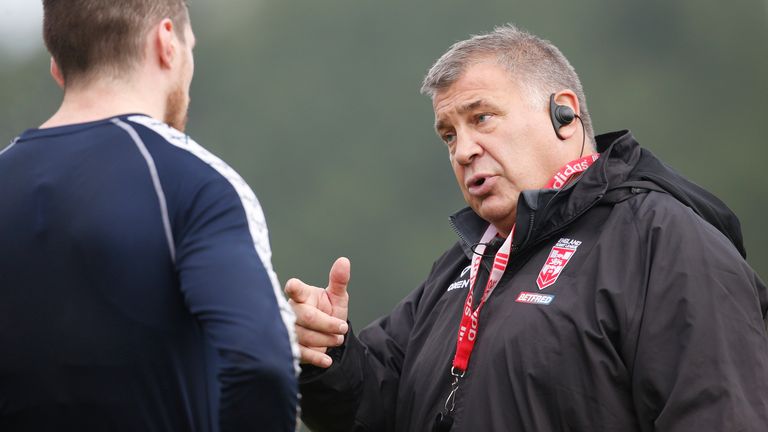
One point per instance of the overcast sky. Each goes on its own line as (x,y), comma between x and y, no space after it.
(21,26)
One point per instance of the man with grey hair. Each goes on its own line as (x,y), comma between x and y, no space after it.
(592,288)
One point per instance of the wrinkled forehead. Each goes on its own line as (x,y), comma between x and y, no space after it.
(454,71)
(486,80)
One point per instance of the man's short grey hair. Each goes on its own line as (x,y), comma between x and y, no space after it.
(535,64)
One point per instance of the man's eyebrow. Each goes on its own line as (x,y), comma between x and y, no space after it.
(439,124)
(471,106)
(475,105)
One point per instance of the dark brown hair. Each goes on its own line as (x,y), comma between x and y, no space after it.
(90,37)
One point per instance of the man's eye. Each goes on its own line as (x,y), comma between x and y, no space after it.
(448,138)
(483,117)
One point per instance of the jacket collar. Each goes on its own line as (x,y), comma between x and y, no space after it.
(545,211)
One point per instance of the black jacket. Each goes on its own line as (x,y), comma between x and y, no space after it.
(655,323)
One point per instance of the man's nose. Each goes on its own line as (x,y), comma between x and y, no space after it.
(467,148)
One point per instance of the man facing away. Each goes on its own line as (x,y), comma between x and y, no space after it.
(136,285)
(591,288)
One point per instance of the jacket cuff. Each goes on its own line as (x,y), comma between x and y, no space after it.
(345,373)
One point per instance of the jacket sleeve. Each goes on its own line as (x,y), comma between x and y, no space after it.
(359,391)
(701,361)
(232,293)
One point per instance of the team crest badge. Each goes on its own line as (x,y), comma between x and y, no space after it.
(558,258)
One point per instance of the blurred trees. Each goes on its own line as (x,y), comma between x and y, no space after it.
(316,104)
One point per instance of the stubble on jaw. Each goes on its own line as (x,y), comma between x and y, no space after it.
(176,109)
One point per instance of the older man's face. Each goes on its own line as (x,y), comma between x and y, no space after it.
(499,143)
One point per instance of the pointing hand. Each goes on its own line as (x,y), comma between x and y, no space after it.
(321,313)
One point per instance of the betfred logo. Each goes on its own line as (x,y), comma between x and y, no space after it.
(558,258)
(535,298)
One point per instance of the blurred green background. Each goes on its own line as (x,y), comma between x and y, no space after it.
(316,104)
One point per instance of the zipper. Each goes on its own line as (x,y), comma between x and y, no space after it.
(528,233)
(459,234)
(515,250)
(565,224)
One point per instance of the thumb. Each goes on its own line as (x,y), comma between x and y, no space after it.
(338,278)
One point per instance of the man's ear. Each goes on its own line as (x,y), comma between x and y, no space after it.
(56,74)
(568,98)
(166,43)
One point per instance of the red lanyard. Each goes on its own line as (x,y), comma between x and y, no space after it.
(468,329)
(570,169)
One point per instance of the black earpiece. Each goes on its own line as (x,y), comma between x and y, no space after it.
(561,115)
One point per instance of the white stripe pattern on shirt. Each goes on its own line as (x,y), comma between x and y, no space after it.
(9,146)
(155,182)
(256,222)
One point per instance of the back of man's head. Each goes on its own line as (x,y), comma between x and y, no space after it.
(535,64)
(104,38)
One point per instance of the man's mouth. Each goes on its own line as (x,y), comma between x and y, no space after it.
(480,185)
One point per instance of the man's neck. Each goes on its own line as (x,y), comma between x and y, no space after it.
(503,230)
(104,99)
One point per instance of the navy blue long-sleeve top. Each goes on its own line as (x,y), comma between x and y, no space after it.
(136,287)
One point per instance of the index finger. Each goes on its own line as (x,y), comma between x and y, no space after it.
(313,318)
(297,290)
